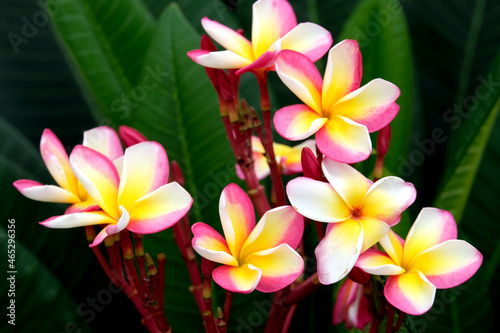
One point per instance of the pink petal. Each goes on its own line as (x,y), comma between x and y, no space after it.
(271,20)
(84,206)
(343,73)
(344,140)
(378,263)
(130,136)
(317,200)
(373,105)
(77,220)
(46,193)
(218,59)
(266,60)
(228,38)
(448,264)
(301,76)
(211,245)
(292,163)
(98,176)
(112,229)
(337,253)
(145,168)
(432,226)
(280,266)
(345,297)
(348,182)
(159,209)
(351,306)
(105,140)
(243,279)
(278,226)
(237,217)
(310,39)
(387,199)
(411,292)
(56,159)
(297,122)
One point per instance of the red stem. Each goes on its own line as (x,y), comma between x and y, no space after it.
(319,230)
(306,288)
(390,318)
(227,305)
(207,300)
(278,313)
(265,105)
(289,318)
(401,318)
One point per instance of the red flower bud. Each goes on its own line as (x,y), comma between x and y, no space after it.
(383,140)
(310,165)
(130,136)
(359,276)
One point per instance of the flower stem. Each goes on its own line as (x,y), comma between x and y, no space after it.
(310,285)
(265,105)
(401,318)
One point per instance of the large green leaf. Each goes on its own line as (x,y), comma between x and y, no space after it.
(40,253)
(380,28)
(29,287)
(469,143)
(105,43)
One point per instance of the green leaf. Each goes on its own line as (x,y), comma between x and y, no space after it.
(381,30)
(470,142)
(41,259)
(33,287)
(105,43)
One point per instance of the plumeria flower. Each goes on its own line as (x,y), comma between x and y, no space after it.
(274,28)
(134,196)
(430,258)
(103,139)
(253,256)
(358,212)
(336,108)
(351,306)
(288,158)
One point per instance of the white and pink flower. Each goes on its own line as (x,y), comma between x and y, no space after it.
(253,256)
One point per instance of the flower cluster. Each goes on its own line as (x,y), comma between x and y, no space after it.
(359,213)
(130,189)
(108,186)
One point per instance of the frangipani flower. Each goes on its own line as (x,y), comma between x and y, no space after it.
(287,157)
(359,213)
(103,139)
(430,258)
(351,306)
(274,27)
(336,109)
(134,196)
(258,256)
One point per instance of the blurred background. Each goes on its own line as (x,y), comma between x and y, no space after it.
(442,54)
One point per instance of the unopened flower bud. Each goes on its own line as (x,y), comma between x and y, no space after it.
(130,136)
